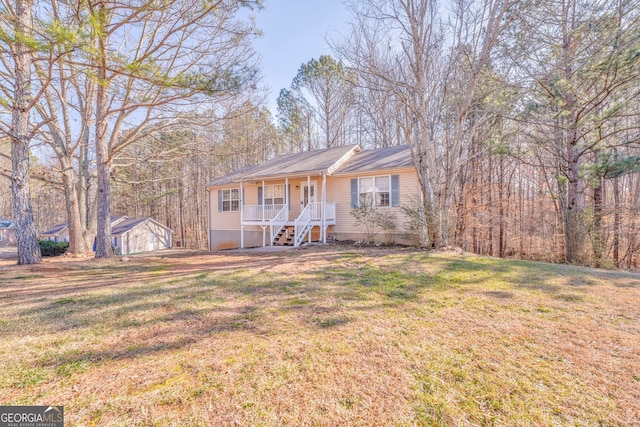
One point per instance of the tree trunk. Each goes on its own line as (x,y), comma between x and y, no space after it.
(103,234)
(490,205)
(26,232)
(86,201)
(598,234)
(428,204)
(574,221)
(501,221)
(76,240)
(616,222)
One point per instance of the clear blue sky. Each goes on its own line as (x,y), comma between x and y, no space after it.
(294,31)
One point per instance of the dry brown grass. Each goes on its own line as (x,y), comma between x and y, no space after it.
(322,336)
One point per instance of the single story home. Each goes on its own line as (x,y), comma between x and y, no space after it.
(7,232)
(130,235)
(313,195)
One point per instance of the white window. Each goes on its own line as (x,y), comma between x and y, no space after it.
(274,194)
(374,191)
(230,200)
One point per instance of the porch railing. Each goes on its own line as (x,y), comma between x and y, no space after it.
(302,224)
(268,212)
(260,212)
(330,211)
(278,221)
(316,211)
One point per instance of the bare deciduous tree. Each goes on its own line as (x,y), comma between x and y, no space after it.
(17,55)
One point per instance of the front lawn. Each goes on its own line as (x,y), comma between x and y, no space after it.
(322,336)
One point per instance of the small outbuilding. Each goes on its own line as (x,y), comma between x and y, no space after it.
(140,235)
(7,232)
(130,235)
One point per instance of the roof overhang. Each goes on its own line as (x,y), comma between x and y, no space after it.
(375,171)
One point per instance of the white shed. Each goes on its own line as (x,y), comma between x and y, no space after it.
(135,235)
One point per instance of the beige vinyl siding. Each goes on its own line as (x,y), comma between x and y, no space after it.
(222,220)
(339,191)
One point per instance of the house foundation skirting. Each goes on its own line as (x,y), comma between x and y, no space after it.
(230,239)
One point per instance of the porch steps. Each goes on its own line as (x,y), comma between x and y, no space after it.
(304,234)
(285,236)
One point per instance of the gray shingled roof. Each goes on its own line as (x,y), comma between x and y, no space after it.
(7,223)
(307,162)
(311,162)
(126,225)
(56,228)
(232,177)
(377,159)
(131,223)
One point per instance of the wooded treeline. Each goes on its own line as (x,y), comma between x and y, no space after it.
(523,119)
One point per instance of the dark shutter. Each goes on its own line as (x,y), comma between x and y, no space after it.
(219,200)
(289,195)
(354,192)
(259,195)
(395,190)
(243,197)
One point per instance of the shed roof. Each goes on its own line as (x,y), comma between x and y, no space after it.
(314,161)
(56,229)
(377,159)
(7,223)
(130,223)
(126,225)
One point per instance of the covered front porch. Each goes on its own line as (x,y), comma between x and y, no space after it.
(278,211)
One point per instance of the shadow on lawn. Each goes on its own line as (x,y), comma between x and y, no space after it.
(178,307)
(163,306)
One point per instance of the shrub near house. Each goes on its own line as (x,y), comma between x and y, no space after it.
(50,249)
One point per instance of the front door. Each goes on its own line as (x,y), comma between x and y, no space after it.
(307,195)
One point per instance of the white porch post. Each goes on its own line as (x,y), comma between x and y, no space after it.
(209,218)
(262,206)
(309,200)
(286,192)
(241,198)
(264,235)
(323,230)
